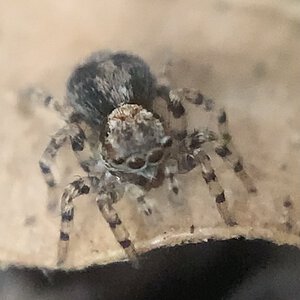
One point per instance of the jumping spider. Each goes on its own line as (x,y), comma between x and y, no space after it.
(110,108)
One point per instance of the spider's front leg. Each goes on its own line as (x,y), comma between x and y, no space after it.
(215,188)
(226,149)
(73,190)
(47,160)
(105,200)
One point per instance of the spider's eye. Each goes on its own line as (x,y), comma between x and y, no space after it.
(167,142)
(135,163)
(118,161)
(155,156)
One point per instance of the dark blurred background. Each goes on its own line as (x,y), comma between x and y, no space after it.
(234,269)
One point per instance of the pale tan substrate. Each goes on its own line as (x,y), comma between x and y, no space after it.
(243,53)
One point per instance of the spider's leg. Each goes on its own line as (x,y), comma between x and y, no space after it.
(176,122)
(73,190)
(289,221)
(57,141)
(171,169)
(33,96)
(227,151)
(215,188)
(139,194)
(105,200)
(47,159)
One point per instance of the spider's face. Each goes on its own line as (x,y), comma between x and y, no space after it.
(136,141)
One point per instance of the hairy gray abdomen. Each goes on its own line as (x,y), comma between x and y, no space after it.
(108,80)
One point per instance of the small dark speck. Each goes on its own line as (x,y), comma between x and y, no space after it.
(29,221)
(192,229)
(289,226)
(283,167)
(287,202)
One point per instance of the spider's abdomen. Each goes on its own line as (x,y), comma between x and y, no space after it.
(108,80)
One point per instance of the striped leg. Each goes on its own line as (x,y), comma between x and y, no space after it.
(226,150)
(215,188)
(105,199)
(175,195)
(73,190)
(32,96)
(177,122)
(289,221)
(57,141)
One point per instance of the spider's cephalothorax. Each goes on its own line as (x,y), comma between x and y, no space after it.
(130,143)
(135,142)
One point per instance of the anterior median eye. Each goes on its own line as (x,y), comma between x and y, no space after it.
(118,161)
(135,163)
(155,156)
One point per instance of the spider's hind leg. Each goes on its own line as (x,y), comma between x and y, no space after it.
(30,97)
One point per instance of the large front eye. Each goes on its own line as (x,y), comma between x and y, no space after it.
(155,156)
(135,163)
(118,161)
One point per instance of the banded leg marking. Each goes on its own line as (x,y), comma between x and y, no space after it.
(143,205)
(226,150)
(289,221)
(177,117)
(57,141)
(175,195)
(73,190)
(104,201)
(215,188)
(38,96)
(48,157)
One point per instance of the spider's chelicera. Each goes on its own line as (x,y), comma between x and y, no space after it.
(121,139)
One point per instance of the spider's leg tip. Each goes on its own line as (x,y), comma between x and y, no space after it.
(60,262)
(253,190)
(135,263)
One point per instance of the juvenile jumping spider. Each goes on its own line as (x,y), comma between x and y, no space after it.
(110,111)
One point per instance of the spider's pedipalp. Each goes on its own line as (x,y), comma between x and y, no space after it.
(139,194)
(171,169)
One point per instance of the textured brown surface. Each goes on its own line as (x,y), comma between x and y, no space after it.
(246,56)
